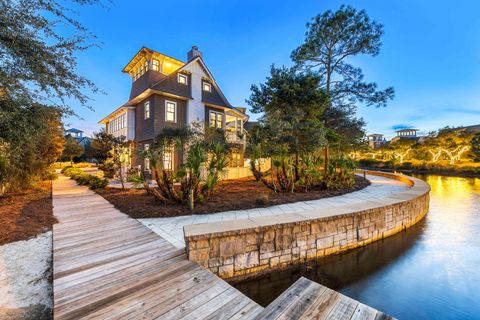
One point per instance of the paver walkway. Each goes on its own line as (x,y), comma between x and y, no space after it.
(171,229)
(109,266)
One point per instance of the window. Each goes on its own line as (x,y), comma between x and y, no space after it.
(155,65)
(146,110)
(168,159)
(235,159)
(146,161)
(145,66)
(170,111)
(207,87)
(182,79)
(215,119)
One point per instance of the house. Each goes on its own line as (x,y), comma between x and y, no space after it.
(473,129)
(77,135)
(167,92)
(376,140)
(406,134)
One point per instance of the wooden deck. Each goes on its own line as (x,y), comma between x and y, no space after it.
(109,266)
(306,299)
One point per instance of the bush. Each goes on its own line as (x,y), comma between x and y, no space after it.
(108,168)
(262,199)
(64,169)
(49,175)
(97,183)
(85,179)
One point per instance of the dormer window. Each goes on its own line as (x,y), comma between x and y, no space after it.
(207,87)
(155,65)
(182,79)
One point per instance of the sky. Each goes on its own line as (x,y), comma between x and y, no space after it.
(430,52)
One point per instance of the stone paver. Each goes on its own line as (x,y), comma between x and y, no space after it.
(171,229)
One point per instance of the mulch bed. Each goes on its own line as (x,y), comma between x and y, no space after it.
(26,214)
(230,195)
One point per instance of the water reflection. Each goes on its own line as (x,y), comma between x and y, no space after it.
(430,271)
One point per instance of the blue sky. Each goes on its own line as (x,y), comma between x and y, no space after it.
(430,52)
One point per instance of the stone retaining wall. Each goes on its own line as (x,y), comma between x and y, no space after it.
(239,248)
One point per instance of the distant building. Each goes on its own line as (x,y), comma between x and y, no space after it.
(376,140)
(77,135)
(406,134)
(473,129)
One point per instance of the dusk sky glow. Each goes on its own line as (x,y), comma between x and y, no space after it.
(430,52)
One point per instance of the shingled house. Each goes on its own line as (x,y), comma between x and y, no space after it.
(169,92)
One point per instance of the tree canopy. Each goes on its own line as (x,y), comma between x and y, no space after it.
(39,41)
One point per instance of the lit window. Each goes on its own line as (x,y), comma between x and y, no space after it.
(155,65)
(182,79)
(146,110)
(170,111)
(215,119)
(145,66)
(168,159)
(146,162)
(207,87)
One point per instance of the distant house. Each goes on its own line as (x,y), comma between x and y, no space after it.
(77,135)
(404,134)
(473,129)
(376,140)
(167,92)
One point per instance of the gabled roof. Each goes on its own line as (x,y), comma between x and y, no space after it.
(74,130)
(406,130)
(143,52)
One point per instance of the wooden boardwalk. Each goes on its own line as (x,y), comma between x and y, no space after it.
(306,299)
(109,266)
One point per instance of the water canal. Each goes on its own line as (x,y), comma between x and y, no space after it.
(431,271)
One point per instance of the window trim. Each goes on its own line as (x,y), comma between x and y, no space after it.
(174,113)
(180,75)
(145,105)
(216,120)
(146,160)
(155,65)
(171,152)
(208,85)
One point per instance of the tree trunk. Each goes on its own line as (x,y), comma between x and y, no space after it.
(191,202)
(325,164)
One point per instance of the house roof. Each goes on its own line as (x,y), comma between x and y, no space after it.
(474,128)
(144,52)
(116,111)
(73,130)
(406,130)
(154,88)
(375,135)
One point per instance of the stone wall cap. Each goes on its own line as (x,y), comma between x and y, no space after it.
(417,188)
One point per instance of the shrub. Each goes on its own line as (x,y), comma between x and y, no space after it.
(97,183)
(108,168)
(84,179)
(64,169)
(262,199)
(49,175)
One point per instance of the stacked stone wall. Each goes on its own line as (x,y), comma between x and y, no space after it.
(242,251)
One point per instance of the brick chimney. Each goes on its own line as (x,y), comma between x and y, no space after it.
(193,53)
